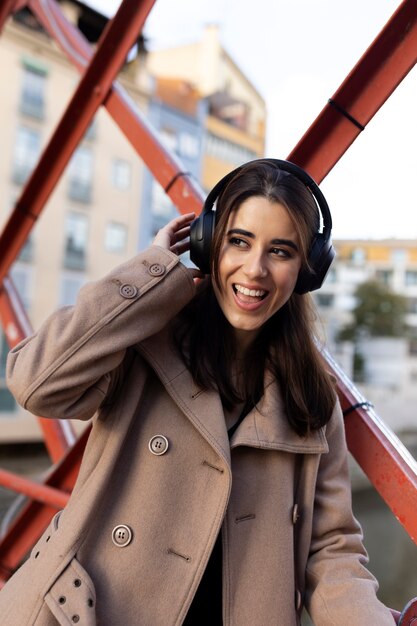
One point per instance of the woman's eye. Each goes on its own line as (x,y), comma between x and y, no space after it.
(281,252)
(237,241)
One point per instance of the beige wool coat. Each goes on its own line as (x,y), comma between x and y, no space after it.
(159,480)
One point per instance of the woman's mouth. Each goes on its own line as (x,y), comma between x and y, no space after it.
(249,296)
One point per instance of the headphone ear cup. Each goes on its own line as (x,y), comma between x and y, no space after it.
(320,258)
(201,237)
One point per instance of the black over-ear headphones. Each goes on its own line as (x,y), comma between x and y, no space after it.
(321,253)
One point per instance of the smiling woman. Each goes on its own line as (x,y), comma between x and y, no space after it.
(258,267)
(264,237)
(214,489)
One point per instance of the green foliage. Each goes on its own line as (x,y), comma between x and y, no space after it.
(358,367)
(379,312)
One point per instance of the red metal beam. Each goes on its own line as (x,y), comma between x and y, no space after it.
(373,79)
(58,435)
(33,520)
(385,460)
(7,7)
(118,38)
(382,456)
(36,491)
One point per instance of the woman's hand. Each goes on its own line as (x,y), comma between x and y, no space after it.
(175,236)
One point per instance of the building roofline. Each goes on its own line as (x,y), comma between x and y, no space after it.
(243,76)
(229,58)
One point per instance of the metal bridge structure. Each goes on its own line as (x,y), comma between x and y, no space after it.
(388,464)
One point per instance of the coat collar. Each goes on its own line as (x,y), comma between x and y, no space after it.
(264,427)
(267,426)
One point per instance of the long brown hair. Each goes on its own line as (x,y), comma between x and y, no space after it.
(286,342)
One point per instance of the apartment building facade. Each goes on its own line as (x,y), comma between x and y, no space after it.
(234,127)
(393,262)
(178,112)
(107,205)
(92,220)
(389,364)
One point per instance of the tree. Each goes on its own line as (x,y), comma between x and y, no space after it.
(379,312)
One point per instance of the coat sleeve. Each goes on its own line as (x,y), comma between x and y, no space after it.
(65,369)
(340,590)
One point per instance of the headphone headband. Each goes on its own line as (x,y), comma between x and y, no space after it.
(321,251)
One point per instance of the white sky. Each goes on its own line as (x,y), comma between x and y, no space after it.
(297,53)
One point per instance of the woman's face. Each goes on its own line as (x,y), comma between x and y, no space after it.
(258,266)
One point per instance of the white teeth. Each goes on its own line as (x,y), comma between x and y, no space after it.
(250,292)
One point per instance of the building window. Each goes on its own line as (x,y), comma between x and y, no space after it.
(358,256)
(91,132)
(121,174)
(399,256)
(161,203)
(7,402)
(228,109)
(76,234)
(169,139)
(70,286)
(384,276)
(228,151)
(26,152)
(331,276)
(325,300)
(26,251)
(163,209)
(412,305)
(411,277)
(80,174)
(22,278)
(189,146)
(116,237)
(32,99)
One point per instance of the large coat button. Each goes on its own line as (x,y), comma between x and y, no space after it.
(122,535)
(158,445)
(128,291)
(156,269)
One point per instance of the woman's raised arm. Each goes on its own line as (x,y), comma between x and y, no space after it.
(64,370)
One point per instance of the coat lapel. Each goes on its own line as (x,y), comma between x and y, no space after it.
(203,408)
(267,427)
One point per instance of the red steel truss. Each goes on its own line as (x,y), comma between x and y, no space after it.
(370,83)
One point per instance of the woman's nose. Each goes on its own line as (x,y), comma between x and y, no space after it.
(255,266)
